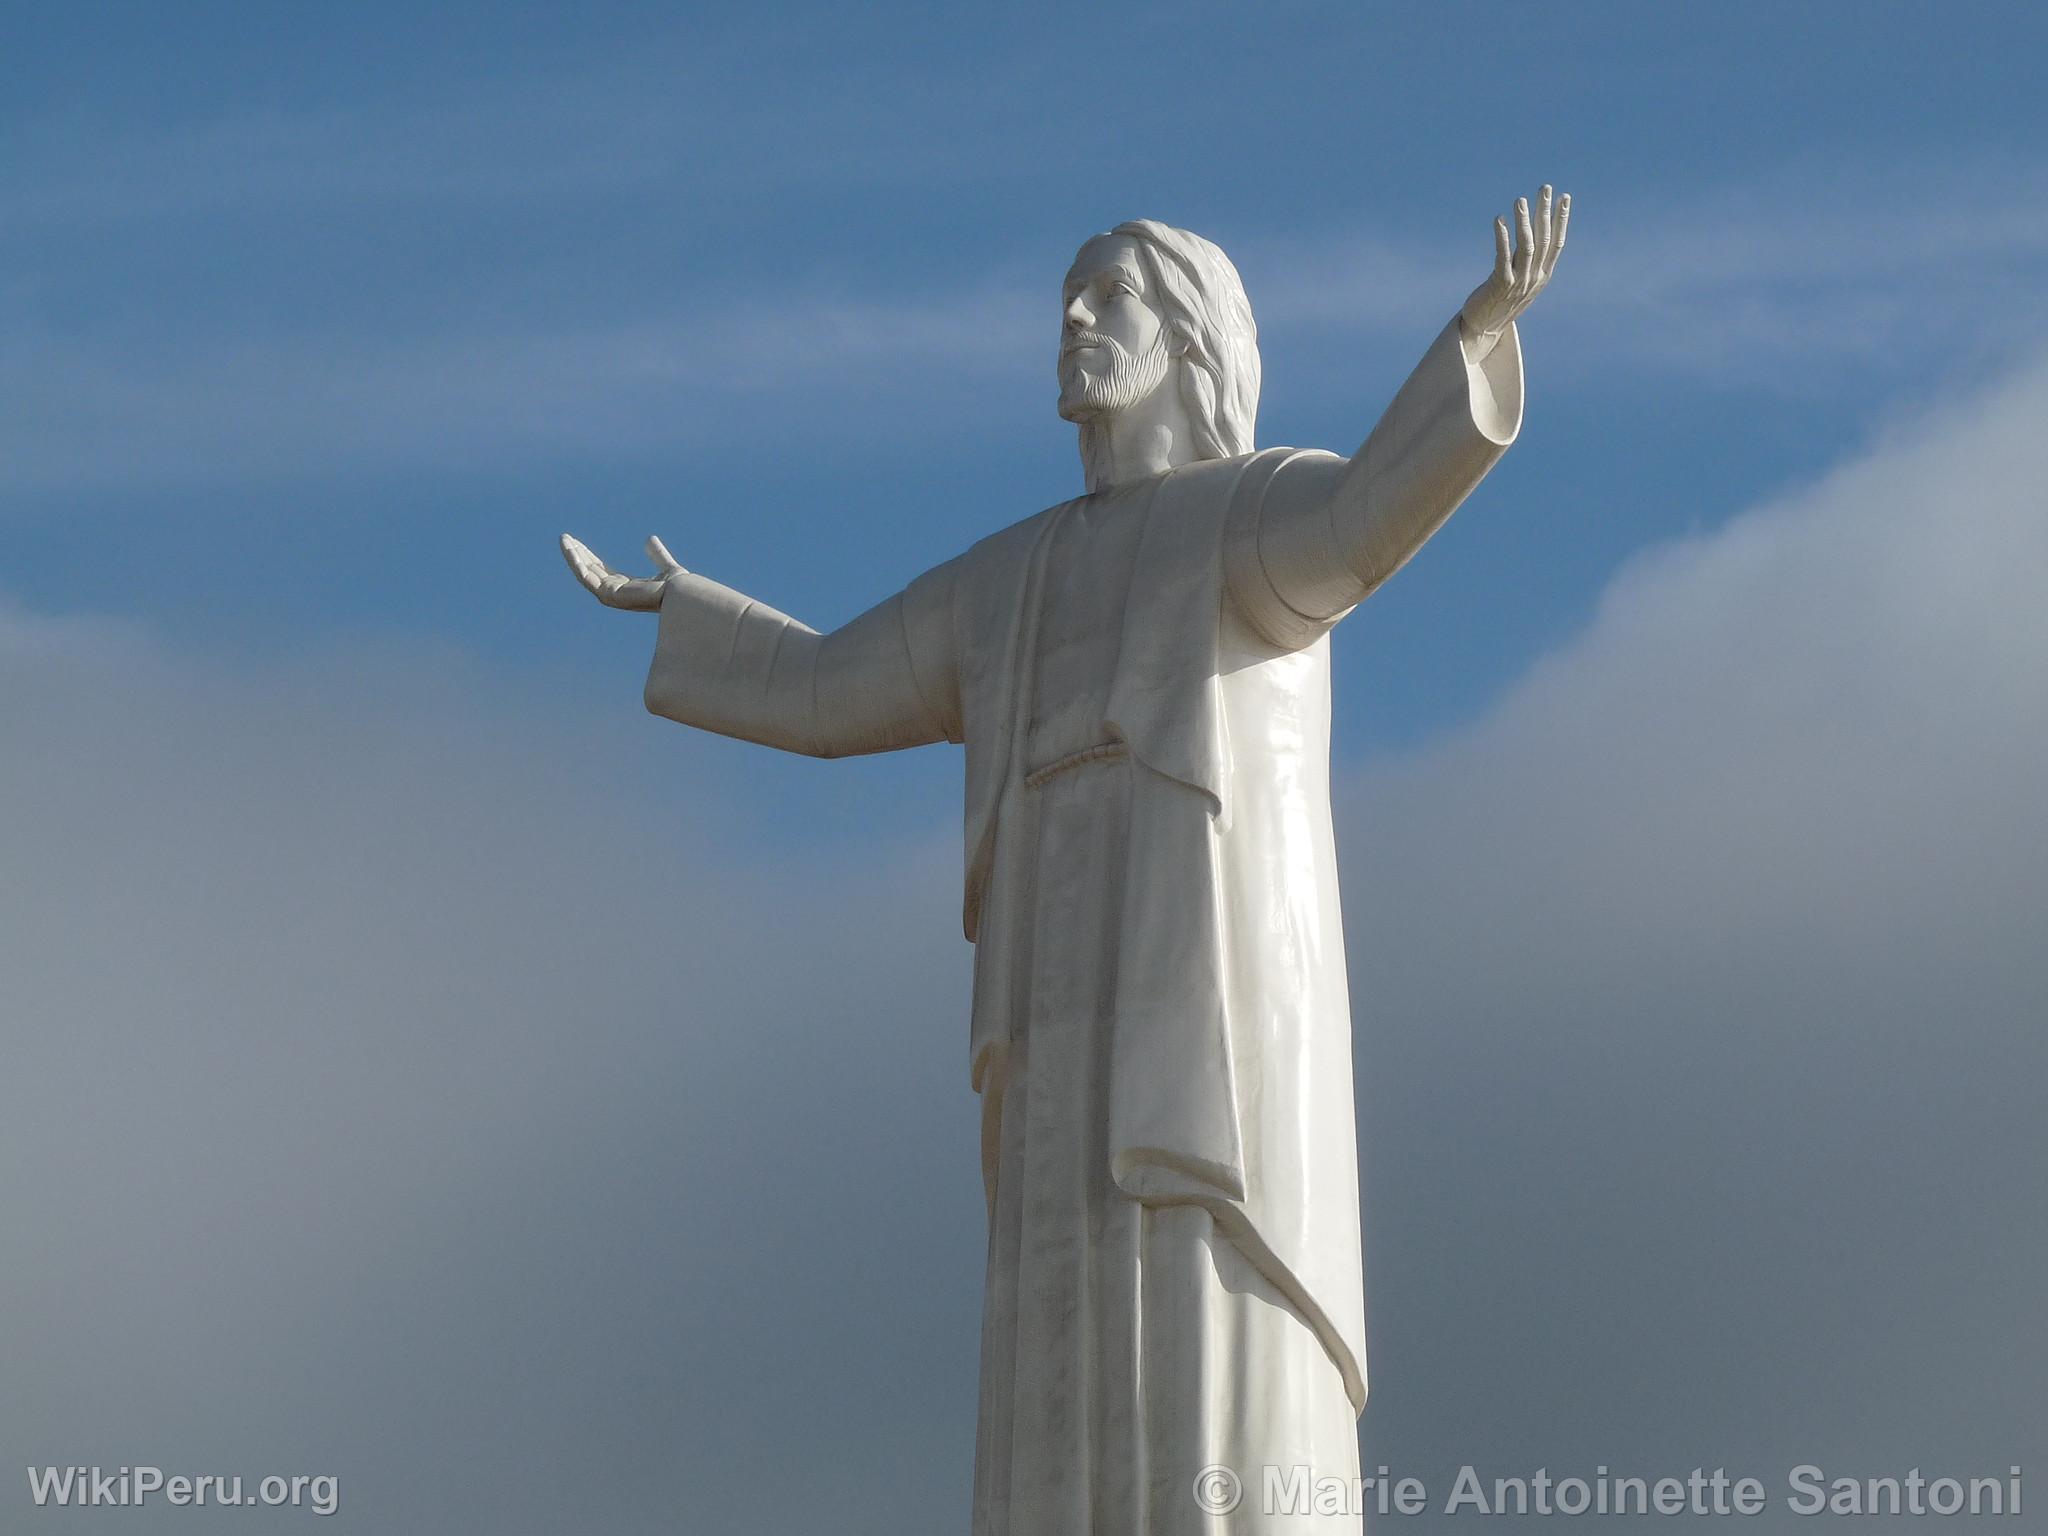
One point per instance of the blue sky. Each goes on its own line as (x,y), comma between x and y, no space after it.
(330,805)
(373,305)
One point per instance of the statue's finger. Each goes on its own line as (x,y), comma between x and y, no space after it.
(582,562)
(1503,252)
(1525,238)
(658,552)
(599,579)
(1564,218)
(1542,255)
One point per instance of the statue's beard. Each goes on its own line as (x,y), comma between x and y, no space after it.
(1089,396)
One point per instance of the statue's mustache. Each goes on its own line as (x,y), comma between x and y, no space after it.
(1081,339)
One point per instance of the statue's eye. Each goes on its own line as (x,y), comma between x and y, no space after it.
(1122,290)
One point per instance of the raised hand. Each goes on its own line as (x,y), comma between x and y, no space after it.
(615,589)
(1520,269)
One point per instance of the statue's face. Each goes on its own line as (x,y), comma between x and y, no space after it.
(1113,336)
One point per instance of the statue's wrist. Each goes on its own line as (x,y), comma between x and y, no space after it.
(1477,344)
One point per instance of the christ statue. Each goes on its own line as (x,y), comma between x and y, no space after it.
(1161,1031)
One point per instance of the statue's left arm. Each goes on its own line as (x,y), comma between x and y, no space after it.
(1332,530)
(726,663)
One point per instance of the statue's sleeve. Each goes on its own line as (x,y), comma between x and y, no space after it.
(888,679)
(1329,530)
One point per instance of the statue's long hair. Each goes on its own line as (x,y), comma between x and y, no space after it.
(1210,330)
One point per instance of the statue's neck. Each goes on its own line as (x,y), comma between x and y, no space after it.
(1138,442)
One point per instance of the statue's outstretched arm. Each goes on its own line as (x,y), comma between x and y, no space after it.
(1331,530)
(725,663)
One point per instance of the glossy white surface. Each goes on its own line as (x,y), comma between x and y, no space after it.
(1161,1029)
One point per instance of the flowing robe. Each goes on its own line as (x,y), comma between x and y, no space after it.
(1161,1026)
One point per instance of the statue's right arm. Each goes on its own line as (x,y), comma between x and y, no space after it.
(885,680)
(1329,531)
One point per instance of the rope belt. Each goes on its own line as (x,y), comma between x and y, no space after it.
(1094,754)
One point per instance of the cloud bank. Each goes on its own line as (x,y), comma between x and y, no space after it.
(1701,999)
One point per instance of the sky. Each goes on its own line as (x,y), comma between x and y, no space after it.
(428,1069)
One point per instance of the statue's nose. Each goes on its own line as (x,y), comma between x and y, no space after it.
(1077,314)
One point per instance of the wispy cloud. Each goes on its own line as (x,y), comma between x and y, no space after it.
(1803,282)
(1857,288)
(262,408)
(687,117)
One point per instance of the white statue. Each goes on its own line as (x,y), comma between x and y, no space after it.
(1161,1030)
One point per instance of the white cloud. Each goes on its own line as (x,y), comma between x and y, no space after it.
(1852,672)
(399,1088)
(1701,992)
